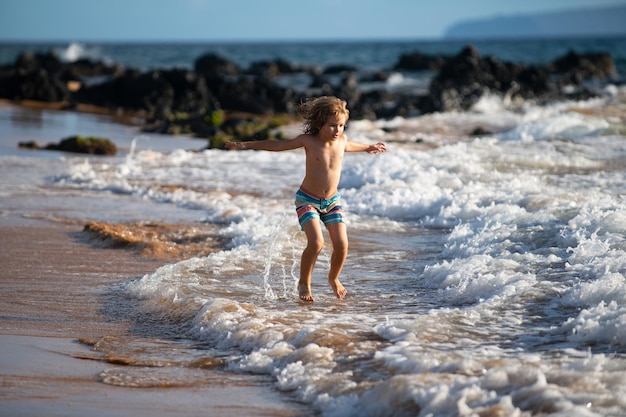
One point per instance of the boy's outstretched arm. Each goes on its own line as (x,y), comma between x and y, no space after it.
(361,147)
(268,145)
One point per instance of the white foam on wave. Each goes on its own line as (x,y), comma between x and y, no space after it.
(597,260)
(76,51)
(566,125)
(498,197)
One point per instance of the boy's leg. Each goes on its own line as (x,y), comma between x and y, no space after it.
(315,244)
(339,238)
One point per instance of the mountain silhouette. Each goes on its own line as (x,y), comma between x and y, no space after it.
(605,21)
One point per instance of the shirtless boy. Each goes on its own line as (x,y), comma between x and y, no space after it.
(317,199)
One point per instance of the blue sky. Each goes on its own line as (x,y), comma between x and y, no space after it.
(210,20)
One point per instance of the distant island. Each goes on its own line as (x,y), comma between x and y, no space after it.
(605,21)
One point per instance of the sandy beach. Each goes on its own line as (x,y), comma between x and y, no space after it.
(52,286)
(55,286)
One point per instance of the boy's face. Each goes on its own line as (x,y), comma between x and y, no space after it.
(333,128)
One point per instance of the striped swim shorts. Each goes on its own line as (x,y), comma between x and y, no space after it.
(309,207)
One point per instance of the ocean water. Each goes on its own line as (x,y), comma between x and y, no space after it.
(486,275)
(367,54)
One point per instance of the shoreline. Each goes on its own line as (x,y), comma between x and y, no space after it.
(45,376)
(61,255)
(52,285)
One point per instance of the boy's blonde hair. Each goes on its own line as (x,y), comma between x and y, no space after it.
(317,111)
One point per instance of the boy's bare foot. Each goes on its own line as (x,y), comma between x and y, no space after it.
(339,289)
(305,293)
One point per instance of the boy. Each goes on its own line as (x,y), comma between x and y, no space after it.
(317,199)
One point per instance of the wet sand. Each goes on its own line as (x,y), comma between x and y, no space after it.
(52,283)
(55,281)
(56,277)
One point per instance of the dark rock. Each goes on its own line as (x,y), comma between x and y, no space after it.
(201,129)
(535,83)
(213,65)
(77,144)
(85,68)
(480,131)
(320,81)
(87,145)
(376,76)
(286,67)
(34,76)
(158,93)
(586,66)
(417,61)
(191,93)
(36,85)
(273,68)
(29,62)
(461,82)
(257,95)
(264,69)
(148,91)
(348,89)
(28,145)
(340,69)
(464,79)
